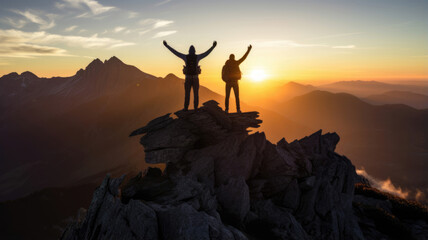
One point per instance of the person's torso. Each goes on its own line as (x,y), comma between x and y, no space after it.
(233,71)
(192,67)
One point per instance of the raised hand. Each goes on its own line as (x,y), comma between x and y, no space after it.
(214,43)
(164,43)
(249,47)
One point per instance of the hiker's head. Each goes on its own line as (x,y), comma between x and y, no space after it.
(192,50)
(232,57)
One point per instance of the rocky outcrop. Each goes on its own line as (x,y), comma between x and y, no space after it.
(223,182)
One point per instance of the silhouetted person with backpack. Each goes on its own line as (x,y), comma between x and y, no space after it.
(231,74)
(191,70)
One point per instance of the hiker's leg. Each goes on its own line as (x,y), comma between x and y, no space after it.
(196,92)
(187,86)
(226,102)
(236,91)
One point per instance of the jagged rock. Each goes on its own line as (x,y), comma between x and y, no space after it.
(153,185)
(361,179)
(291,198)
(184,222)
(221,182)
(308,183)
(295,151)
(274,164)
(155,124)
(275,185)
(242,157)
(109,218)
(283,223)
(234,198)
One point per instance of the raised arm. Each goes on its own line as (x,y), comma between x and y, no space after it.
(202,55)
(176,53)
(245,55)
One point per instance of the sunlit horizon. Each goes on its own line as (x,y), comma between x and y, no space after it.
(310,42)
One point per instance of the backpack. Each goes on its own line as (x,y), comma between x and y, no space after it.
(230,72)
(191,67)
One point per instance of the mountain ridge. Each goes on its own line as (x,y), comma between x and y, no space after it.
(221,182)
(69,104)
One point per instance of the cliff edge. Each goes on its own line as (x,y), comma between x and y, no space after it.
(223,182)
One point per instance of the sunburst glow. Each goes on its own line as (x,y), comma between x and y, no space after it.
(257,75)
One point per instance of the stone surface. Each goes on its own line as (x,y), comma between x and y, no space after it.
(234,198)
(291,198)
(221,182)
(109,218)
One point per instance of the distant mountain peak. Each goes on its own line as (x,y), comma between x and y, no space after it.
(81,71)
(296,84)
(113,60)
(171,76)
(293,83)
(29,75)
(360,82)
(11,75)
(94,64)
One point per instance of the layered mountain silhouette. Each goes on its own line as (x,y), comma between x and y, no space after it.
(365,88)
(291,90)
(388,141)
(61,131)
(418,101)
(68,132)
(222,183)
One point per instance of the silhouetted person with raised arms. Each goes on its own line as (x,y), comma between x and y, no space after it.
(231,74)
(191,70)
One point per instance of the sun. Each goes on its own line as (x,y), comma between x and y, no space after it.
(257,75)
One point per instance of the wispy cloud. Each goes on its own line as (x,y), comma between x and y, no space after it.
(163,34)
(152,24)
(34,17)
(344,46)
(155,23)
(144,31)
(84,15)
(95,7)
(285,43)
(71,28)
(118,29)
(293,44)
(16,43)
(23,50)
(16,23)
(162,23)
(125,44)
(385,185)
(162,2)
(132,14)
(339,35)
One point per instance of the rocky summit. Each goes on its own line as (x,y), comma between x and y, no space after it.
(223,182)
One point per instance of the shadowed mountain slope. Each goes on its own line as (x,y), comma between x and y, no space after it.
(365,88)
(388,141)
(58,131)
(418,101)
(220,182)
